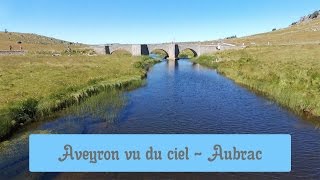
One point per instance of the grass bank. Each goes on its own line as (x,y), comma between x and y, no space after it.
(288,74)
(34,86)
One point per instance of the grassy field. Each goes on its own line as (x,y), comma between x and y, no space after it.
(288,74)
(35,85)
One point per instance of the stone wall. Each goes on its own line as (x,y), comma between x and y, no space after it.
(6,53)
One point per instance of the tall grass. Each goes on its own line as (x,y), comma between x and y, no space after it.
(145,63)
(104,106)
(288,74)
(24,112)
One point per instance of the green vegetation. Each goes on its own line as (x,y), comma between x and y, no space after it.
(56,74)
(34,86)
(26,111)
(288,74)
(105,105)
(187,53)
(283,64)
(145,63)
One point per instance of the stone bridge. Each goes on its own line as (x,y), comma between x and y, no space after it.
(171,49)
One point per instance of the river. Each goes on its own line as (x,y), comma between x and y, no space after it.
(179,97)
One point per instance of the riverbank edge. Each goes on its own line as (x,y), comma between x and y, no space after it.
(44,111)
(213,64)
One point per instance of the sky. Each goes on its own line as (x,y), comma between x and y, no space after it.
(149,21)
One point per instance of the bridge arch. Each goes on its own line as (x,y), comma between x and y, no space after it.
(187,52)
(163,53)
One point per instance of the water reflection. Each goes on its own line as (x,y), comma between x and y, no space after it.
(197,67)
(172,66)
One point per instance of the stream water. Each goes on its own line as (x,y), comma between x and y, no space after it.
(178,97)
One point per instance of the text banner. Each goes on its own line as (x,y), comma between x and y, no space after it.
(159,153)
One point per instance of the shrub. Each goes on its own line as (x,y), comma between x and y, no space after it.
(294,23)
(26,111)
(314,15)
(274,29)
(232,37)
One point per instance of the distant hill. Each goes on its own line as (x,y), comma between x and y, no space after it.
(33,42)
(307,32)
(304,31)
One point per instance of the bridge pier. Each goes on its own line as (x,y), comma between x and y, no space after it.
(173,52)
(106,50)
(136,50)
(139,49)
